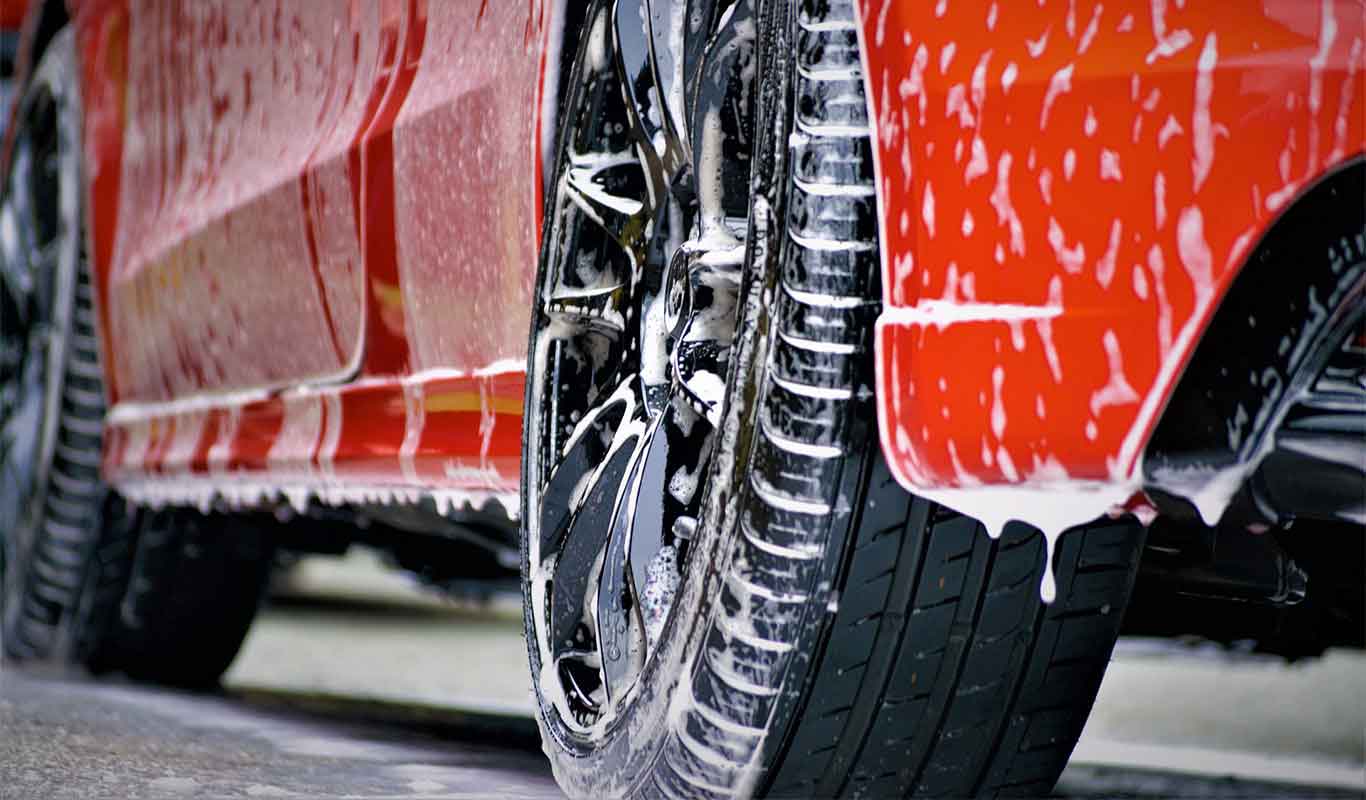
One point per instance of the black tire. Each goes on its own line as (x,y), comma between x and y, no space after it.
(190,592)
(944,673)
(87,578)
(833,635)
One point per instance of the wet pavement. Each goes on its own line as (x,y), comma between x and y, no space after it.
(67,738)
(79,739)
(352,685)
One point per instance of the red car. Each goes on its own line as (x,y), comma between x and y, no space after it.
(777,341)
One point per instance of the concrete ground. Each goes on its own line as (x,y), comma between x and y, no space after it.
(67,739)
(84,740)
(342,622)
(354,685)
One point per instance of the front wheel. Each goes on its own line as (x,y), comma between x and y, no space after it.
(726,594)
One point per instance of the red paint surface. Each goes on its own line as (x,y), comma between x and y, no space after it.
(1075,156)
(102,42)
(301,215)
(12,14)
(282,195)
(465,433)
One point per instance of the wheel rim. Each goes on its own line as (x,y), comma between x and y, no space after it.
(29,253)
(632,331)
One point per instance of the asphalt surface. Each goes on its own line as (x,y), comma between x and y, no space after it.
(354,686)
(71,739)
(68,738)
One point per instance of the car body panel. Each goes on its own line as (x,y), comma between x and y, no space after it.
(453,434)
(1066,192)
(12,14)
(237,262)
(313,236)
(382,252)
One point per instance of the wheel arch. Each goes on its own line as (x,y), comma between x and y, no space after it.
(1268,333)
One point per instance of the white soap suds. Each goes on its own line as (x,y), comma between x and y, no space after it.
(1051,507)
(1058,85)
(1202,125)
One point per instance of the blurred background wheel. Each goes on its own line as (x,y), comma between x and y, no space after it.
(87,578)
(51,396)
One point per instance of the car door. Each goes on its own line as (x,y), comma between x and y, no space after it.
(320,256)
(237,263)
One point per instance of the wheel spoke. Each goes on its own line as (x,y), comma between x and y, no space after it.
(618,624)
(16,256)
(689,23)
(601,186)
(670,472)
(723,140)
(25,188)
(648,529)
(586,449)
(602,308)
(668,24)
(556,508)
(653,124)
(19,431)
(582,367)
(583,546)
(704,323)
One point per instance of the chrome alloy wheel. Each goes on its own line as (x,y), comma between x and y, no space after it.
(631,336)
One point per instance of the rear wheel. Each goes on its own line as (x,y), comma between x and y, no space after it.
(726,592)
(84,577)
(51,396)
